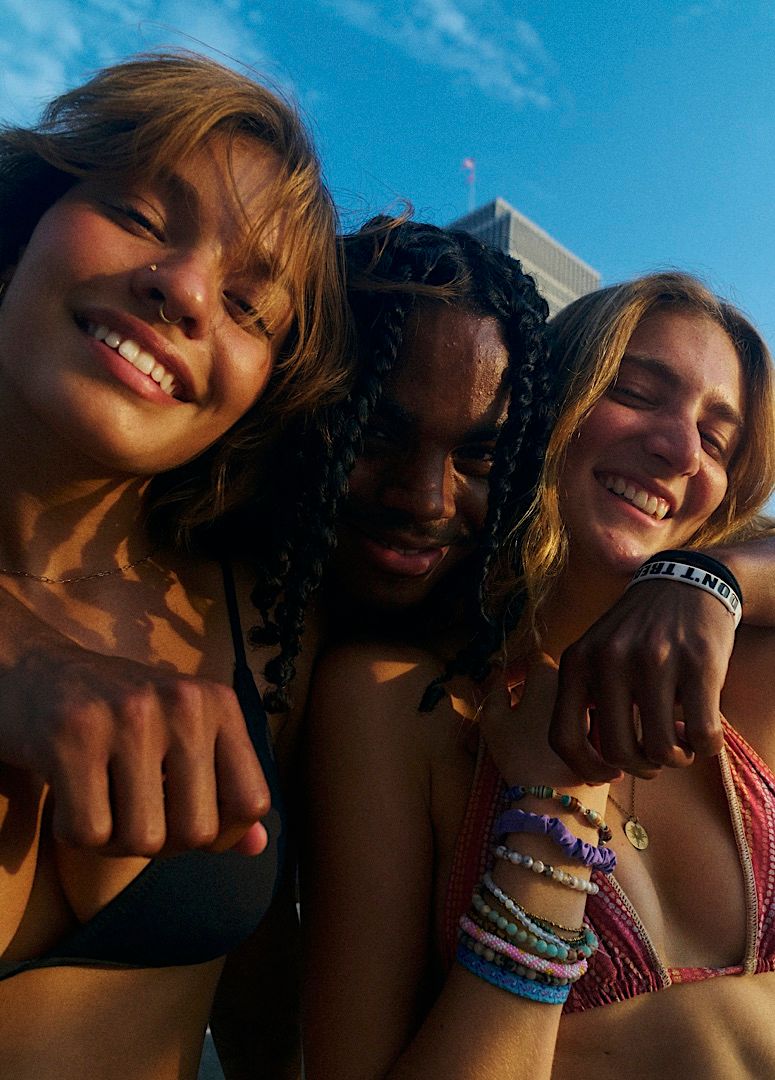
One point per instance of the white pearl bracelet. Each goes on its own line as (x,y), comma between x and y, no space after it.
(538,867)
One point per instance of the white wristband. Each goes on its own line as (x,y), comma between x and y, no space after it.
(692,575)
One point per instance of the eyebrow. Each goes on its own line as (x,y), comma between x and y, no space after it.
(718,406)
(259,263)
(403,420)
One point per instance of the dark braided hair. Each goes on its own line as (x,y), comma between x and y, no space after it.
(393,265)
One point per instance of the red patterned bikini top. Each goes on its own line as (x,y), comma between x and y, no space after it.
(627,964)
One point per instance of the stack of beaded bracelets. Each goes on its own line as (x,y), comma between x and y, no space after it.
(520,952)
(697,569)
(523,953)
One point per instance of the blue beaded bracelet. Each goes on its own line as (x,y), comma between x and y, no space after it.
(510,981)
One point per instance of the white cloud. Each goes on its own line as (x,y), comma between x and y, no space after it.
(48,45)
(500,55)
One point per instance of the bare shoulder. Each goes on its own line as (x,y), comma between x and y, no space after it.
(373,690)
(747,701)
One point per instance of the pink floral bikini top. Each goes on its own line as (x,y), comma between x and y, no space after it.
(627,964)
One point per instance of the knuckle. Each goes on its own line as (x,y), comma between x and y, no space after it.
(662,756)
(194,834)
(247,806)
(84,833)
(148,840)
(707,742)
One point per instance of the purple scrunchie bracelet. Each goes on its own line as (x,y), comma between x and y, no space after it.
(598,858)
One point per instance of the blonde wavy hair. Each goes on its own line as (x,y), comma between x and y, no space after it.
(136,120)
(588,340)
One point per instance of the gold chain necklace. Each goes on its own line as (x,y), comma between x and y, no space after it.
(633,829)
(113,572)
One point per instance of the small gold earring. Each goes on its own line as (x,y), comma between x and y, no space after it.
(153,266)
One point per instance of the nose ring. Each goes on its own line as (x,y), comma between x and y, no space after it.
(164,319)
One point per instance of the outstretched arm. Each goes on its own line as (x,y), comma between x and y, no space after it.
(660,646)
(138,758)
(375,1007)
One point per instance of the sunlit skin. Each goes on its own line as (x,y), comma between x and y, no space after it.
(109,253)
(670,427)
(93,428)
(418,493)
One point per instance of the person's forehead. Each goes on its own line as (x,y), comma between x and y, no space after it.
(452,369)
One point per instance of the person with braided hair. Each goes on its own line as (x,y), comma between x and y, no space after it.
(451,363)
(450,855)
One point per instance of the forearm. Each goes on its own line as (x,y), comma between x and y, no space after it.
(753,564)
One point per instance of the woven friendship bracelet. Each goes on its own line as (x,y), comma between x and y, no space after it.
(562,877)
(506,980)
(569,802)
(697,569)
(598,858)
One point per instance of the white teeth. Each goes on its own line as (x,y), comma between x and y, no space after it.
(144,362)
(132,353)
(639,497)
(129,350)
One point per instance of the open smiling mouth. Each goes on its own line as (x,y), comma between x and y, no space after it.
(399,558)
(650,504)
(134,355)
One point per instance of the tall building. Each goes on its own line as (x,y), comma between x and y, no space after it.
(560,275)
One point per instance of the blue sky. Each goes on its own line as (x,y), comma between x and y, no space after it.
(639,135)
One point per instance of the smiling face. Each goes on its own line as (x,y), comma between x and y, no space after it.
(649,465)
(86,359)
(418,493)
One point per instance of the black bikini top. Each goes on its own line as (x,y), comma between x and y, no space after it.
(193,907)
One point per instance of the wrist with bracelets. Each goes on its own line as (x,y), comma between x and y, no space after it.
(697,569)
(596,858)
(523,953)
(567,802)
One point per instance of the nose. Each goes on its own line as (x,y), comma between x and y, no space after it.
(180,288)
(422,487)
(677,441)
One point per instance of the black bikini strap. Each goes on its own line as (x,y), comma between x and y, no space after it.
(232,606)
(256,720)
